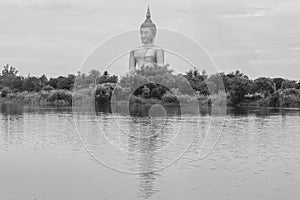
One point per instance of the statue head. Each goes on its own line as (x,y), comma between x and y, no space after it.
(148,29)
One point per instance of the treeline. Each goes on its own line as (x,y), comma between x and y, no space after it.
(10,81)
(160,84)
(15,88)
(153,84)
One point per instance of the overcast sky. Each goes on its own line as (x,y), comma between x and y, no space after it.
(53,37)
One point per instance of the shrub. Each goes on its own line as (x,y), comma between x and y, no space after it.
(136,99)
(219,99)
(103,93)
(48,88)
(169,97)
(83,96)
(121,93)
(5,91)
(290,98)
(31,98)
(60,97)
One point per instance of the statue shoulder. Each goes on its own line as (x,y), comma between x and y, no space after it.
(158,48)
(132,51)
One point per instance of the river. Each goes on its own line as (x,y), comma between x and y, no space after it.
(54,153)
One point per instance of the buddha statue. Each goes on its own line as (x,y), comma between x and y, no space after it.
(148,54)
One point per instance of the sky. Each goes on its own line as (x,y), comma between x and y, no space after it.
(56,37)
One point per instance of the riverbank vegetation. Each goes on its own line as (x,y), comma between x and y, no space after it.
(147,86)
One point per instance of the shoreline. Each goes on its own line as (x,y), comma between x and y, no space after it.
(67,98)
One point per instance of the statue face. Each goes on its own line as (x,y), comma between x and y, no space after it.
(147,35)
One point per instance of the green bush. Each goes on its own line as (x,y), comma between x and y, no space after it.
(60,97)
(47,88)
(290,98)
(121,93)
(31,98)
(169,97)
(44,95)
(218,99)
(5,91)
(103,93)
(137,99)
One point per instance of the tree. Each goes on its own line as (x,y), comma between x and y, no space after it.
(53,82)
(264,85)
(298,85)
(238,86)
(103,93)
(44,80)
(9,70)
(17,84)
(184,86)
(32,84)
(216,83)
(278,82)
(65,83)
(286,84)
(106,78)
(8,76)
(197,80)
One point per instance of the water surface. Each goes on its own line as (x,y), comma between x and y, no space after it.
(42,157)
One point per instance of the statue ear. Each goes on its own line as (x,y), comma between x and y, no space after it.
(153,34)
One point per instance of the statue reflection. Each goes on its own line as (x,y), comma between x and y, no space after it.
(148,124)
(144,143)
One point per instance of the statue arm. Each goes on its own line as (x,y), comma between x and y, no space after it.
(132,62)
(160,57)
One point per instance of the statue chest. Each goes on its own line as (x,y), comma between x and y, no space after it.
(147,54)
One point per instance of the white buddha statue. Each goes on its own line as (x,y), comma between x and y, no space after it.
(147,54)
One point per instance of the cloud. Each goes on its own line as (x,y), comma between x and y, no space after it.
(61,32)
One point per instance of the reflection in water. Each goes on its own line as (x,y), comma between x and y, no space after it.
(260,111)
(146,187)
(34,125)
(140,110)
(11,117)
(145,144)
(11,110)
(257,157)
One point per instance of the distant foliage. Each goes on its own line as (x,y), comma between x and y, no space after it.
(60,97)
(238,86)
(5,91)
(149,84)
(264,85)
(47,88)
(290,98)
(103,93)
